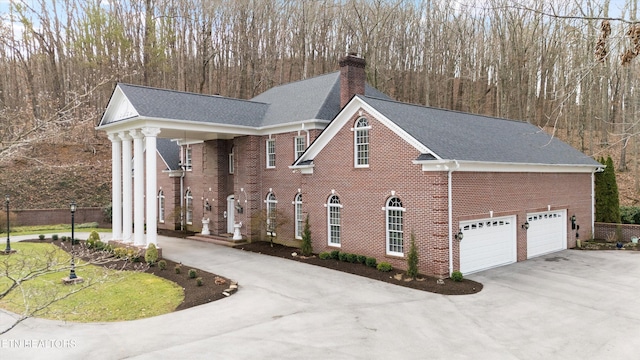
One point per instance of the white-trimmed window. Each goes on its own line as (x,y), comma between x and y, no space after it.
(231,160)
(271,213)
(333,220)
(395,226)
(299,146)
(188,204)
(361,143)
(297,210)
(187,158)
(271,153)
(161,206)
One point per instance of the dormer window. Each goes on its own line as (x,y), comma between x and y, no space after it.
(361,143)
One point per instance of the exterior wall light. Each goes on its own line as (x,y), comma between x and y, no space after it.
(459,235)
(573,222)
(525,225)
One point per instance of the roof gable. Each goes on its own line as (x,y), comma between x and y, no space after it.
(442,135)
(182,106)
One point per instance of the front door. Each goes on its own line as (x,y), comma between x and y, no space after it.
(230,212)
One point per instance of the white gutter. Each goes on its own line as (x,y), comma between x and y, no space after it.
(449,196)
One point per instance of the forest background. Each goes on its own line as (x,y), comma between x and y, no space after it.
(567,67)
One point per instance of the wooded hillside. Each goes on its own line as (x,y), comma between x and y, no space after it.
(568,67)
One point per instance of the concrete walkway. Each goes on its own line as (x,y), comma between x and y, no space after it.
(568,305)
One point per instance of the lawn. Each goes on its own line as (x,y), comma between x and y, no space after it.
(52,229)
(106,294)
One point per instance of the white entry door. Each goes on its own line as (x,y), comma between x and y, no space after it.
(487,243)
(230,213)
(547,232)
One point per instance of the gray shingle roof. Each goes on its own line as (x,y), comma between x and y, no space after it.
(170,152)
(314,98)
(461,136)
(170,104)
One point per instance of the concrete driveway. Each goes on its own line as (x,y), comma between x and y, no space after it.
(568,305)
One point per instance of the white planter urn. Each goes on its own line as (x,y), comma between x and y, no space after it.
(236,231)
(205,226)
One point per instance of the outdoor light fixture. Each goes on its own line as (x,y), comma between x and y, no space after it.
(72,272)
(573,222)
(525,225)
(207,206)
(459,235)
(8,248)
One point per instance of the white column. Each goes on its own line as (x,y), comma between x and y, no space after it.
(116,187)
(138,187)
(151,179)
(127,190)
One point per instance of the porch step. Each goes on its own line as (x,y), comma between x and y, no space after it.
(218,239)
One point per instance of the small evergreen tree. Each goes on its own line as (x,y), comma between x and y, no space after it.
(151,255)
(606,194)
(307,248)
(412,259)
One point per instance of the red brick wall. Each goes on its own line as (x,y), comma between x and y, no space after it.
(476,194)
(59,216)
(605,231)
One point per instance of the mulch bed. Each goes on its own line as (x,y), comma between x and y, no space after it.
(424,283)
(194,295)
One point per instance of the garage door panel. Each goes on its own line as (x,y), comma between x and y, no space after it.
(487,243)
(547,232)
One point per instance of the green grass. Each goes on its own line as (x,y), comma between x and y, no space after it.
(114,295)
(49,229)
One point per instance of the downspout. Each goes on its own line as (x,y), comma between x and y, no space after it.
(181,196)
(450,207)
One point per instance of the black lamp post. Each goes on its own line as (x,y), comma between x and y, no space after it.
(72,273)
(8,248)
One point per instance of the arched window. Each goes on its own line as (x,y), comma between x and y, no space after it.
(361,143)
(395,231)
(188,204)
(161,206)
(333,220)
(297,210)
(271,213)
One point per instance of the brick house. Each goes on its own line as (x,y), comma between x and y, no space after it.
(476,191)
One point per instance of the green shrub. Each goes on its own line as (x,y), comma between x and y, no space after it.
(384,267)
(162,265)
(352,258)
(54,237)
(178,269)
(199,281)
(324,255)
(63,238)
(93,240)
(335,254)
(307,248)
(371,262)
(192,273)
(120,253)
(361,259)
(412,259)
(151,255)
(630,214)
(456,276)
(343,256)
(41,236)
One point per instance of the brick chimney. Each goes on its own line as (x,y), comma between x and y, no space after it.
(352,77)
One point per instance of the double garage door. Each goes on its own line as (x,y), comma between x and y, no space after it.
(489,243)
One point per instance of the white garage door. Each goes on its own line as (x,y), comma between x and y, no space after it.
(547,232)
(487,243)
